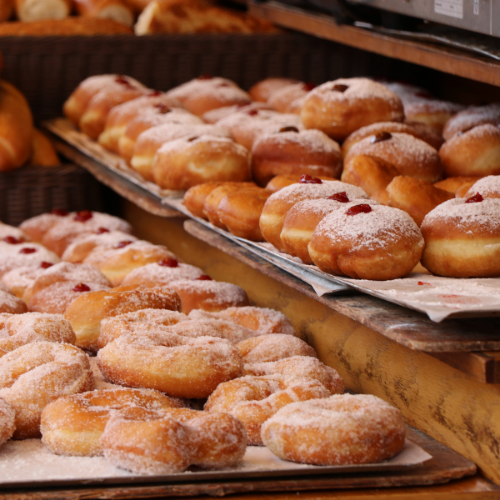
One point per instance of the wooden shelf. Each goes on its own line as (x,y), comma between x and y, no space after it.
(435,56)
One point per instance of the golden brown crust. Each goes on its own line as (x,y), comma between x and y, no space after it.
(42,10)
(453,184)
(261,91)
(11,304)
(43,153)
(195,197)
(106,9)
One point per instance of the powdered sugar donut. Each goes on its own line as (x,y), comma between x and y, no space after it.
(5,288)
(73,425)
(34,375)
(339,430)
(12,232)
(174,439)
(11,304)
(289,99)
(472,117)
(7,421)
(457,184)
(262,90)
(20,278)
(487,187)
(30,254)
(218,114)
(36,227)
(367,241)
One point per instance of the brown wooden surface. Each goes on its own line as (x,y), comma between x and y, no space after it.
(449,60)
(485,366)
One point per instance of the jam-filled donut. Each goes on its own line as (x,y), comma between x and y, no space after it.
(163,272)
(339,430)
(7,421)
(14,253)
(289,151)
(290,98)
(169,441)
(462,238)
(34,375)
(262,90)
(455,184)
(253,400)
(220,113)
(367,241)
(178,366)
(20,278)
(11,304)
(9,232)
(277,206)
(472,152)
(472,117)
(17,330)
(36,227)
(340,107)
(195,197)
(87,311)
(487,187)
(73,425)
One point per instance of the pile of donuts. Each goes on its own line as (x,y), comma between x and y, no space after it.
(83,305)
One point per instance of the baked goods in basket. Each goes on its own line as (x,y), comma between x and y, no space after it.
(106,9)
(43,153)
(37,10)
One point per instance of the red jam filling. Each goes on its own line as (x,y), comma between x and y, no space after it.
(339,87)
(341,197)
(81,287)
(288,129)
(307,179)
(168,262)
(204,277)
(27,250)
(474,199)
(162,109)
(359,209)
(45,265)
(102,230)
(59,211)
(83,216)
(308,86)
(205,76)
(123,244)
(253,112)
(423,283)
(11,240)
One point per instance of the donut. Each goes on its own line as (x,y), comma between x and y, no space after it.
(6,289)
(36,227)
(17,330)
(215,115)
(65,271)
(64,232)
(99,380)
(34,375)
(169,441)
(195,197)
(11,232)
(340,107)
(81,248)
(415,129)
(87,311)
(281,181)
(11,304)
(151,140)
(461,238)
(162,273)
(7,421)
(475,152)
(178,366)
(487,187)
(142,320)
(416,197)
(454,184)
(367,241)
(262,90)
(339,430)
(209,295)
(253,400)
(471,117)
(73,425)
(290,99)
(19,278)
(302,366)
(189,161)
(15,254)
(209,327)
(288,151)
(278,204)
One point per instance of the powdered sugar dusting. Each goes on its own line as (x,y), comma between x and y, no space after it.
(298,192)
(472,117)
(488,187)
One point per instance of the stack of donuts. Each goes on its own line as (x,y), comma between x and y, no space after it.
(83,303)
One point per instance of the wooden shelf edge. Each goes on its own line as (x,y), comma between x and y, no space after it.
(441,58)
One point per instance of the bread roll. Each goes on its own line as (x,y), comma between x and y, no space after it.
(43,153)
(36,10)
(6,10)
(106,9)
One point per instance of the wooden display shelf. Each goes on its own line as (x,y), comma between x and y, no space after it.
(435,56)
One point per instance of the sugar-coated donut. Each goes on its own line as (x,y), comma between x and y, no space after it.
(471,117)
(162,273)
(20,329)
(340,107)
(188,161)
(169,441)
(340,430)
(34,375)
(87,311)
(294,152)
(415,196)
(278,204)
(20,278)
(15,254)
(36,227)
(218,114)
(11,304)
(6,289)
(262,90)
(472,152)
(290,98)
(7,421)
(367,241)
(462,238)
(9,232)
(176,365)
(487,187)
(209,295)
(454,184)
(73,425)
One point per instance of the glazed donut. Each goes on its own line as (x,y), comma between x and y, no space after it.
(340,430)
(56,298)
(472,117)
(487,187)
(416,197)
(454,184)
(195,197)
(188,161)
(367,241)
(36,227)
(416,129)
(11,304)
(162,273)
(65,271)
(10,232)
(173,439)
(278,204)
(340,107)
(87,311)
(473,152)
(290,99)
(178,366)
(253,400)
(7,421)
(262,90)
(21,277)
(151,140)
(208,295)
(218,114)
(462,238)
(288,151)
(299,366)
(73,425)
(273,347)
(64,232)
(15,254)
(17,330)
(118,262)
(34,375)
